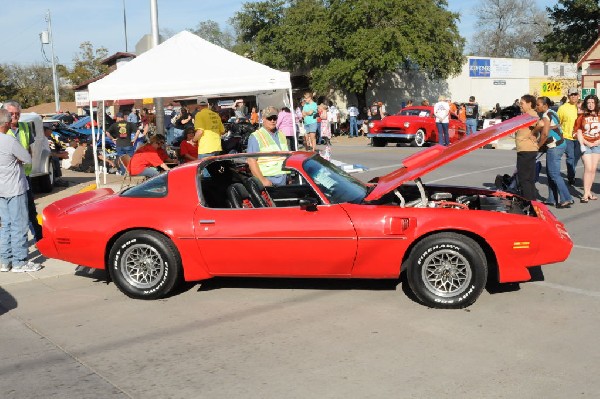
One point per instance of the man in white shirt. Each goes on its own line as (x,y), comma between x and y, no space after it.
(333,117)
(441,110)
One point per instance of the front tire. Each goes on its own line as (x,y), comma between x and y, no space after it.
(419,139)
(447,271)
(144,264)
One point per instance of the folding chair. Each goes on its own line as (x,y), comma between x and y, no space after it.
(123,161)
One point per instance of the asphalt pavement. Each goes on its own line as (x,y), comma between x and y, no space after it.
(67,333)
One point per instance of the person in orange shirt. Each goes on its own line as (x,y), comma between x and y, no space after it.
(453,109)
(254,116)
(462,113)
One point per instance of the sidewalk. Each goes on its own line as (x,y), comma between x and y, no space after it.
(54,268)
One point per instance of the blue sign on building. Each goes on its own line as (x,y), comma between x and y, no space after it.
(479,67)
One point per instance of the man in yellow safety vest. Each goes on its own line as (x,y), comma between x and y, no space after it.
(268,139)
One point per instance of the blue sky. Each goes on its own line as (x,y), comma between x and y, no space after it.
(101,23)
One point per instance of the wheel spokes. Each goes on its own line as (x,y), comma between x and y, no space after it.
(142,265)
(446,272)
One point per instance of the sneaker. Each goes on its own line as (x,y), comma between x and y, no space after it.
(31,267)
(4,267)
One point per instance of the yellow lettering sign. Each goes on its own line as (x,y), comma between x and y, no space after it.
(551,89)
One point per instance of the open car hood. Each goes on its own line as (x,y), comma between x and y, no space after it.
(425,161)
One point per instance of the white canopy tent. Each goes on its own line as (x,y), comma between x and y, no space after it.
(187,65)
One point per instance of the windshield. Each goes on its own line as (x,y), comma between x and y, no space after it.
(414,112)
(336,185)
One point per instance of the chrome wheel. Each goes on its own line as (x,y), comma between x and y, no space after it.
(446,273)
(420,138)
(142,266)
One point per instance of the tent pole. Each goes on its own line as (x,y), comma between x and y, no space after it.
(103,146)
(293,118)
(94,149)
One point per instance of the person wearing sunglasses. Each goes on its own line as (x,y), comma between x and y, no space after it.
(268,139)
(148,158)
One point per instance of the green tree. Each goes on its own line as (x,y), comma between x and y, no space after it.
(30,85)
(349,44)
(575,26)
(7,87)
(87,64)
(209,30)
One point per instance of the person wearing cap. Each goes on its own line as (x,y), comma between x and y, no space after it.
(209,129)
(123,134)
(567,115)
(268,139)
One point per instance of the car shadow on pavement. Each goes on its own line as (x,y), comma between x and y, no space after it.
(7,302)
(298,283)
(98,275)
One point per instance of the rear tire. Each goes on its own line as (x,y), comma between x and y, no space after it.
(379,142)
(447,271)
(46,183)
(144,264)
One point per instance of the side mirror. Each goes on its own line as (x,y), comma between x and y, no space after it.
(308,204)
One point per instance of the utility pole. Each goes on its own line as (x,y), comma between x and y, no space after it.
(125,26)
(159,111)
(54,74)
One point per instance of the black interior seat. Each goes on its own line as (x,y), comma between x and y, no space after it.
(238,197)
(258,194)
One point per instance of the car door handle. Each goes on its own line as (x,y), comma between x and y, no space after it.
(206,221)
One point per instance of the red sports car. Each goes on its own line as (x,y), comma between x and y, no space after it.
(414,125)
(182,225)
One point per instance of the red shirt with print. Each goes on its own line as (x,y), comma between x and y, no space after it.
(589,126)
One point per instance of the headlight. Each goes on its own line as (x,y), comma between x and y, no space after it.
(406,124)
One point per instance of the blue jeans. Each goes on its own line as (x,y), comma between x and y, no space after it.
(443,137)
(573,151)
(353,127)
(471,126)
(122,151)
(170,132)
(149,172)
(13,232)
(557,189)
(177,133)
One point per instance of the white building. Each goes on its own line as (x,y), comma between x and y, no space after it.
(491,80)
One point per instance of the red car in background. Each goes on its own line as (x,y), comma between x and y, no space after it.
(414,125)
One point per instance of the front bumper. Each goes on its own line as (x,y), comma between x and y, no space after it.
(400,136)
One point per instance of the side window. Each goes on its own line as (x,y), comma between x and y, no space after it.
(153,188)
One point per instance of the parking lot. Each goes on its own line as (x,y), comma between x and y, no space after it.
(67,333)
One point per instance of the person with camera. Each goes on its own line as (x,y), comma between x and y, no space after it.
(551,141)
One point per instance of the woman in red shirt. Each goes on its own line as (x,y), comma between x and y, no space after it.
(149,157)
(587,127)
(188,149)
